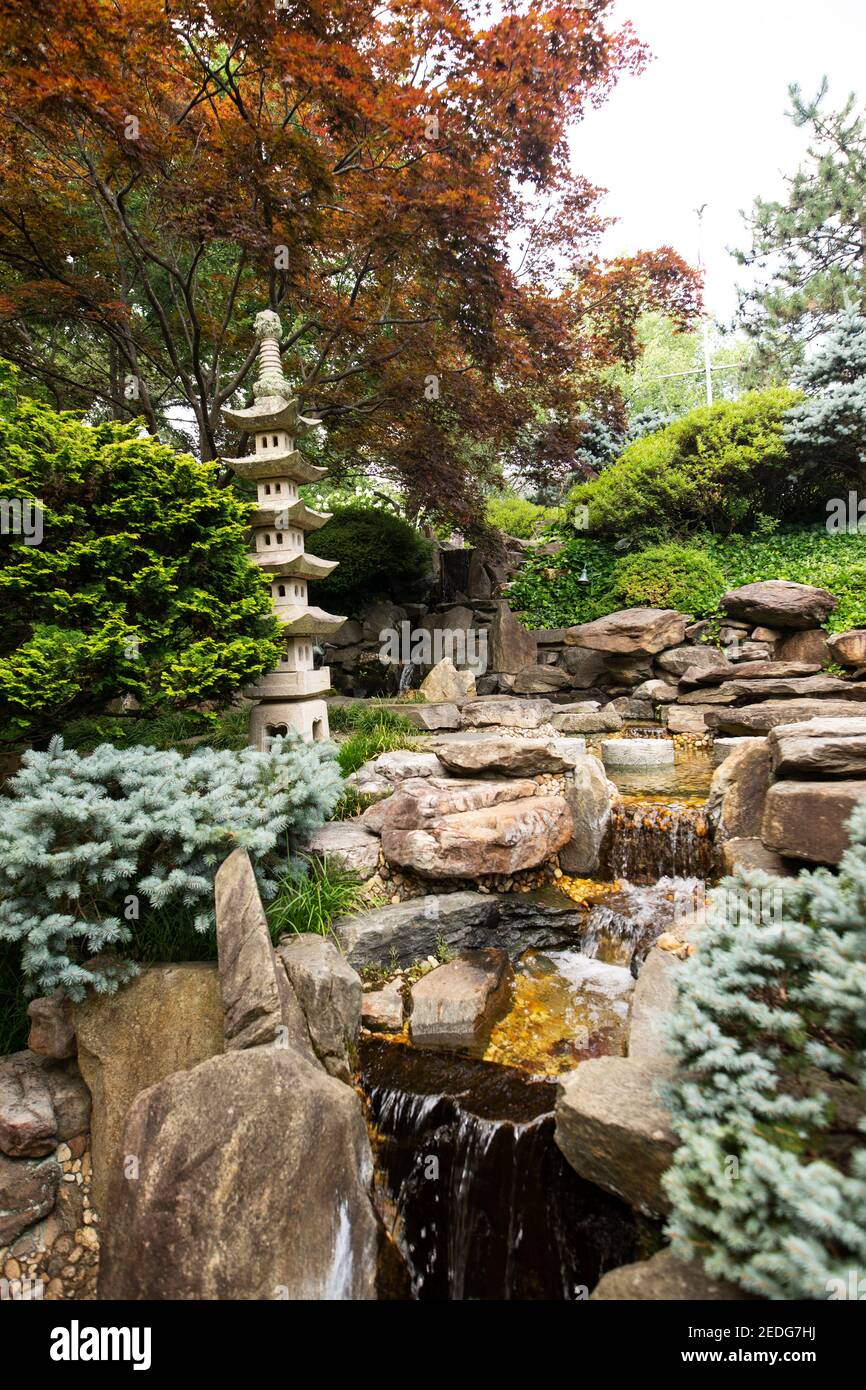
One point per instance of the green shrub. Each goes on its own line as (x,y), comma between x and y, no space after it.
(381,557)
(517,517)
(719,469)
(140,584)
(311,897)
(768,1185)
(670,576)
(91,847)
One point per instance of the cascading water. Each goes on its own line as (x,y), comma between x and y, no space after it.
(480,1200)
(656,839)
(407,675)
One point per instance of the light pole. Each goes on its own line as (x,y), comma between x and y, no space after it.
(708,370)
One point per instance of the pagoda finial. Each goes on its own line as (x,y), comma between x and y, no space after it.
(270,381)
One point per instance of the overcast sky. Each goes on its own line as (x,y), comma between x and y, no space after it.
(706,123)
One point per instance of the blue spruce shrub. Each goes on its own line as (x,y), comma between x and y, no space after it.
(83,840)
(768,1187)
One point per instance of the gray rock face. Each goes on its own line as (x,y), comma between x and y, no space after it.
(258,1006)
(631,631)
(431,718)
(510,646)
(505,712)
(637,752)
(762,717)
(819,687)
(819,748)
(28,1128)
(329,993)
(588,799)
(664,1278)
(806,820)
(652,1004)
(753,671)
(739,790)
(346,843)
(28,1191)
(584,667)
(780,603)
(254,1174)
(51,1031)
(602,721)
(407,932)
(748,854)
(396,766)
(689,661)
(383,1010)
(657,692)
(614,1131)
(537,680)
(688,719)
(848,648)
(455,1004)
(522,757)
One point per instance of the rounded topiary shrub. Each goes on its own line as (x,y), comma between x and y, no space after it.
(380,555)
(670,576)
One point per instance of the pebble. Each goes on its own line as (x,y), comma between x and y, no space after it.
(63,1153)
(12,1269)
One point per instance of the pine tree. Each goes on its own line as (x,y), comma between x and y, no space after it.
(827,431)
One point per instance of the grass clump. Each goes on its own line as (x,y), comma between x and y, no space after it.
(371,730)
(309,901)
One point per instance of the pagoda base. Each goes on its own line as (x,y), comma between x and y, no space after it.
(274,717)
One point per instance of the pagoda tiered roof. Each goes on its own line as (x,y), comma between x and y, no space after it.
(300,565)
(297,620)
(267,413)
(289,514)
(288,464)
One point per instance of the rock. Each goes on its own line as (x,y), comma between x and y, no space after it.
(779,603)
(418,802)
(584,667)
(430,717)
(749,854)
(70,1099)
(810,644)
(538,680)
(28,1191)
(508,713)
(382,1010)
(456,1003)
(588,798)
(808,687)
(347,844)
(848,648)
(707,696)
(404,933)
(724,747)
(602,721)
(167,1019)
(637,752)
(329,993)
(806,820)
(819,748)
(764,716)
(51,1031)
(739,789)
(688,719)
(522,757)
(254,1175)
(767,634)
(631,630)
(628,708)
(379,618)
(752,670)
(28,1128)
(614,1131)
(657,692)
(495,839)
(445,682)
(682,660)
(510,646)
(751,651)
(351,634)
(666,1278)
(398,764)
(652,1005)
(258,1005)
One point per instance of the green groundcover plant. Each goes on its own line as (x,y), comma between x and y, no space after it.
(138,585)
(90,845)
(768,1186)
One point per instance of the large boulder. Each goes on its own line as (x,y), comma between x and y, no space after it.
(631,631)
(750,854)
(404,933)
(496,839)
(510,646)
(253,1180)
(739,790)
(809,644)
(583,667)
(588,798)
(518,757)
(538,680)
(806,820)
(348,845)
(445,682)
(780,603)
(28,1191)
(819,748)
(613,1129)
(454,1005)
(505,712)
(28,1126)
(167,1019)
(764,716)
(329,993)
(769,688)
(259,1007)
(665,1278)
(395,766)
(600,721)
(848,648)
(418,801)
(751,670)
(688,661)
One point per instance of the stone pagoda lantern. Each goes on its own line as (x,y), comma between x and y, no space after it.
(286,695)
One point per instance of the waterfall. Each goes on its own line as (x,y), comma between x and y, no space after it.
(407,672)
(656,839)
(480,1201)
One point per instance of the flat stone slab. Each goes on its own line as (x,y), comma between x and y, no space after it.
(637,752)
(664,1278)
(523,757)
(779,603)
(752,670)
(631,630)
(403,933)
(506,712)
(819,748)
(807,820)
(383,1010)
(761,718)
(501,838)
(346,843)
(420,802)
(599,721)
(454,1005)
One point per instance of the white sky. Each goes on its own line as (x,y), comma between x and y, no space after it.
(706,122)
